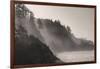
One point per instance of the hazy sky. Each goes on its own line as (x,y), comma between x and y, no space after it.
(81,20)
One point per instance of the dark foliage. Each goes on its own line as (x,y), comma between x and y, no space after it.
(21,10)
(30,50)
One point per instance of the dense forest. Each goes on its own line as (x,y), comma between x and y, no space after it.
(38,41)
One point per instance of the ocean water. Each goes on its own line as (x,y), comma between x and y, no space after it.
(76,56)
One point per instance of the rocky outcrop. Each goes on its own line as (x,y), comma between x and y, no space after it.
(36,37)
(30,50)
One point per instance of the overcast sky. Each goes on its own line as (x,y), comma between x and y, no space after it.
(81,20)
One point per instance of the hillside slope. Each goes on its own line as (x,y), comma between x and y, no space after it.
(44,36)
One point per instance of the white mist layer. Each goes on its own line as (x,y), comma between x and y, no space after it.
(76,56)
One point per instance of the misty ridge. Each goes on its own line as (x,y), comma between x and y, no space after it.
(39,41)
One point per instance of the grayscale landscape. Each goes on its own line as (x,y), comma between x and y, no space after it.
(46,39)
